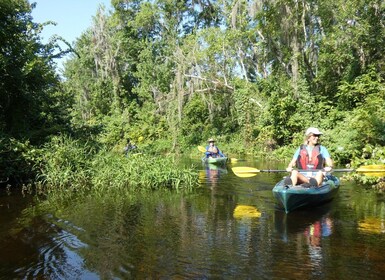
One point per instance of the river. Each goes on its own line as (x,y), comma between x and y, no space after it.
(229,228)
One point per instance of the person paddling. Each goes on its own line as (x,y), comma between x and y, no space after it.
(212,150)
(310,156)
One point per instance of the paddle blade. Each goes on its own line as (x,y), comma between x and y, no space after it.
(245,175)
(246,211)
(202,149)
(374,174)
(245,169)
(371,168)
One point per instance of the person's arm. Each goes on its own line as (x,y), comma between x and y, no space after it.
(293,162)
(220,153)
(329,164)
(328,161)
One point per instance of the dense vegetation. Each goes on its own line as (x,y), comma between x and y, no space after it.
(253,74)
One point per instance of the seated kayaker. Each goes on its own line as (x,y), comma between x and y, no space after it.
(212,150)
(311,157)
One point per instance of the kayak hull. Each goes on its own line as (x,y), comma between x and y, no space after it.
(218,160)
(294,197)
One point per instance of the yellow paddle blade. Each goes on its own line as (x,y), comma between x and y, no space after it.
(244,171)
(202,149)
(371,168)
(374,174)
(245,175)
(246,211)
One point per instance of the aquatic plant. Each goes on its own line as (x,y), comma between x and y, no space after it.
(70,165)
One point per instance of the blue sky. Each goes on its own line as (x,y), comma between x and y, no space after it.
(73,17)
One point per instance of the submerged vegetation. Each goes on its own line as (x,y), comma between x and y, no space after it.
(252,74)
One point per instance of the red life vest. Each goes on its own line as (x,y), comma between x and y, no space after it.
(304,160)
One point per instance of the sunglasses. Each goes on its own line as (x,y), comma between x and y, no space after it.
(316,135)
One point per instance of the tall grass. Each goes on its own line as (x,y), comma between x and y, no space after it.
(68,165)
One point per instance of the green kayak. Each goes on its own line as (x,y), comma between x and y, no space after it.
(293,197)
(218,160)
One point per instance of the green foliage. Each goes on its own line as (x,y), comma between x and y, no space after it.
(16,160)
(65,165)
(361,128)
(139,173)
(249,105)
(352,95)
(29,101)
(286,113)
(195,124)
(178,72)
(32,107)
(71,165)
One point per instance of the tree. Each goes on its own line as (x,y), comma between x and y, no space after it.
(28,84)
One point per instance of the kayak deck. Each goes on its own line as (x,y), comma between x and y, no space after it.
(218,160)
(294,197)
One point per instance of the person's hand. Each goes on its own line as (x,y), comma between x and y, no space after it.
(328,169)
(289,169)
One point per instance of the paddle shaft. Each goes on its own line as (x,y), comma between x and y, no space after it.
(245,171)
(333,170)
(300,170)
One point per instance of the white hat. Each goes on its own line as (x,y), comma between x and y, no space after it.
(312,130)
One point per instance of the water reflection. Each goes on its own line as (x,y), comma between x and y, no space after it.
(230,229)
(212,173)
(300,221)
(307,229)
(372,225)
(35,248)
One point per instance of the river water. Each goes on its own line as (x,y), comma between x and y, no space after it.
(229,228)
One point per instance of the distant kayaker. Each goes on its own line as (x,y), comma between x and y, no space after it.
(212,150)
(310,156)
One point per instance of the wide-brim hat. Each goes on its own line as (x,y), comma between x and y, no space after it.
(211,140)
(312,131)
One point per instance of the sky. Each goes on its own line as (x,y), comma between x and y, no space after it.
(73,17)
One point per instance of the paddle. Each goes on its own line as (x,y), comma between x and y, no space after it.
(245,172)
(202,149)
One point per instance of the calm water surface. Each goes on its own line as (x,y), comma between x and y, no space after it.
(197,236)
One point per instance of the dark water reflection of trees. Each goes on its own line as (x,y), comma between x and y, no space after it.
(197,235)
